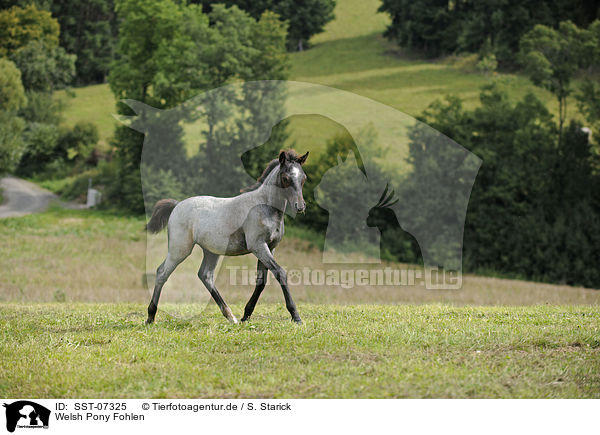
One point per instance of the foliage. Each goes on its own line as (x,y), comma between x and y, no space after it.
(88,29)
(42,107)
(187,53)
(78,144)
(438,27)
(29,38)
(426,25)
(19,26)
(11,143)
(588,99)
(304,19)
(44,68)
(41,140)
(552,57)
(488,64)
(12,98)
(350,46)
(12,94)
(166,186)
(55,151)
(532,210)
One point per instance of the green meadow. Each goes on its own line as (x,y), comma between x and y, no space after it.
(360,351)
(72,311)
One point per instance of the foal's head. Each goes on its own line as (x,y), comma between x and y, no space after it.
(292,178)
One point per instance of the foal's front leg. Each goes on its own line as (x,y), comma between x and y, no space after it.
(264,255)
(261,280)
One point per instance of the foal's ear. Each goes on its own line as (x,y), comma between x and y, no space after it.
(303,158)
(282,157)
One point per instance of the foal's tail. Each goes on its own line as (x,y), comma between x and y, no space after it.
(160,215)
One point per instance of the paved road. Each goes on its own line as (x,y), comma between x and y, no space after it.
(22,197)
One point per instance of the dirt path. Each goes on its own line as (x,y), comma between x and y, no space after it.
(22,197)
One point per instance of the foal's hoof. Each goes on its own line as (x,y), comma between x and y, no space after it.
(149,321)
(297,321)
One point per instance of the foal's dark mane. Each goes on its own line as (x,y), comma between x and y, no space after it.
(290,156)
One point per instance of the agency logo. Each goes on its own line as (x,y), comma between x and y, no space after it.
(25,414)
(371,167)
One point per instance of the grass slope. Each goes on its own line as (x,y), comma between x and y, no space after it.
(352,55)
(95,104)
(90,350)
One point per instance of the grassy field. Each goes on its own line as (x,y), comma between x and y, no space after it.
(91,350)
(64,265)
(351,55)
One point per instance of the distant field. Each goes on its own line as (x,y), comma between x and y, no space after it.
(79,255)
(352,55)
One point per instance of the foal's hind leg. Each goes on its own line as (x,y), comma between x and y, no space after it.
(177,253)
(207,276)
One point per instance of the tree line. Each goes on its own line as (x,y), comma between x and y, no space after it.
(32,66)
(89,29)
(46,45)
(438,27)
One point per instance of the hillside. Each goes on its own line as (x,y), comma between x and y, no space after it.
(352,55)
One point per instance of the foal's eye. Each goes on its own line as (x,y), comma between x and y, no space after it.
(285,180)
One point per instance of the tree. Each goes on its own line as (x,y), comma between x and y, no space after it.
(485,26)
(11,144)
(552,57)
(533,211)
(304,18)
(426,25)
(44,68)
(12,94)
(168,53)
(88,29)
(29,37)
(12,98)
(19,26)
(588,97)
